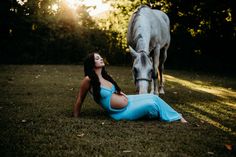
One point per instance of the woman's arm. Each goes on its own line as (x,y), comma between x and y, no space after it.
(84,87)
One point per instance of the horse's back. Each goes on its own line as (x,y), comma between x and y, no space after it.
(153,15)
(161,15)
(150,24)
(160,26)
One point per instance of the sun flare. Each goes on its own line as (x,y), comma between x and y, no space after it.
(97,6)
(73,4)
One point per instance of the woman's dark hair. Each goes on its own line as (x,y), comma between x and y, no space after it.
(89,64)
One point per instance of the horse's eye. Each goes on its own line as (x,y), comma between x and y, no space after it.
(150,73)
(135,70)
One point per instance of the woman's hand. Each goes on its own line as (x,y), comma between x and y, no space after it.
(121,93)
(119,100)
(76,114)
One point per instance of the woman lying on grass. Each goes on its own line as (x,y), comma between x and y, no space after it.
(119,106)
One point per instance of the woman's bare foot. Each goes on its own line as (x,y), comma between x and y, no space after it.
(182,120)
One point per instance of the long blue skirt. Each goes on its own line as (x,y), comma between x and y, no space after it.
(146,105)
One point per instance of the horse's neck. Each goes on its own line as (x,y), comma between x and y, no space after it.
(141,46)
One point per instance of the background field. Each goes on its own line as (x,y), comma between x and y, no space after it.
(36,115)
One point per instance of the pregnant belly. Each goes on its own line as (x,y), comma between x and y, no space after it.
(118,101)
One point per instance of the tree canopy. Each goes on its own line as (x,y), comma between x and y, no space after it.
(52,32)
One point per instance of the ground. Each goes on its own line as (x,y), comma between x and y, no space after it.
(36,115)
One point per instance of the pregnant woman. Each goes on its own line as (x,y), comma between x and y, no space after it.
(119,106)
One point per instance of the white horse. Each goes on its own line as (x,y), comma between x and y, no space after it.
(148,37)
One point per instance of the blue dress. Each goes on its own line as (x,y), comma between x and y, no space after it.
(139,106)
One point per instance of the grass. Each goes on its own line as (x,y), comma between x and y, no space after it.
(36,106)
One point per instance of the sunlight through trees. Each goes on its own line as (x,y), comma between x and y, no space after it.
(79,26)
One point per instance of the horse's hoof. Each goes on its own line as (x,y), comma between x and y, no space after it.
(153,92)
(162,91)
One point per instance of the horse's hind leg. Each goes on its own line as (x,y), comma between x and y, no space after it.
(163,56)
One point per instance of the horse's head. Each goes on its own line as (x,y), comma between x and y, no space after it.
(142,70)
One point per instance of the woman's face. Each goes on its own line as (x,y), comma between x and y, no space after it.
(98,61)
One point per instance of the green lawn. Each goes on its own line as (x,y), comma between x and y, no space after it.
(36,116)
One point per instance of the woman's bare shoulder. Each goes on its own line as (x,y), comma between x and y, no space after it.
(86,81)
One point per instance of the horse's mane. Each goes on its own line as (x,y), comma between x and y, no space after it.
(139,8)
(133,22)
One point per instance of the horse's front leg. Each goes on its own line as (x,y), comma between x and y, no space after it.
(163,56)
(156,55)
(154,87)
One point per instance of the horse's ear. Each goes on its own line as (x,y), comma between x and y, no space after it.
(133,52)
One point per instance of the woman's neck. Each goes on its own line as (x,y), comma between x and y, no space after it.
(98,71)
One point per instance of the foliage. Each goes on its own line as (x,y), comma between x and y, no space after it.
(49,31)
(196,28)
